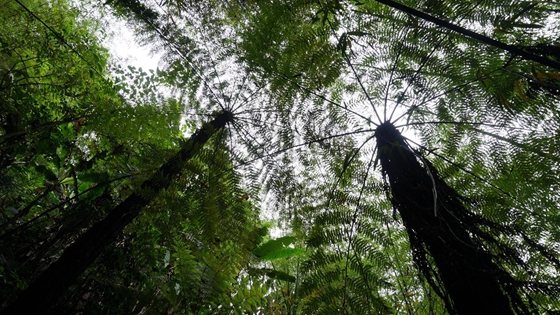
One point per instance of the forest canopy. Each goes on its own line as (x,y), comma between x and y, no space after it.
(286,157)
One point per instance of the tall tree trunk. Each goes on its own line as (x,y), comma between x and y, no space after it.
(465,276)
(46,290)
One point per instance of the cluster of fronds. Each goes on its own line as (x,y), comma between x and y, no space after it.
(479,114)
(187,253)
(320,77)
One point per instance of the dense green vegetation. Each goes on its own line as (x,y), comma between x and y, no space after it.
(405,155)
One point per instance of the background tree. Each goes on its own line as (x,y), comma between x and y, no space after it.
(185,254)
(200,244)
(81,159)
(59,148)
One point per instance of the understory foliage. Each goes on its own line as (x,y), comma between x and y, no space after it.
(395,156)
(77,141)
(185,254)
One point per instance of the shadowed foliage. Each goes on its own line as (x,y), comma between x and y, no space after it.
(60,275)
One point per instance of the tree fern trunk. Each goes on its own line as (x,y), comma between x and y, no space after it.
(464,274)
(59,276)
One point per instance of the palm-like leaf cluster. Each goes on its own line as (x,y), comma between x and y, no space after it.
(474,107)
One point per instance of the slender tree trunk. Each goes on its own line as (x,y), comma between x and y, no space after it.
(60,275)
(464,274)
(479,37)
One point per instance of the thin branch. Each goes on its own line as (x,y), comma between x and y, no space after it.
(481,38)
(46,212)
(307,143)
(414,77)
(387,88)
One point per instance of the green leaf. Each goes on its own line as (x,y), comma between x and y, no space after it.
(94,177)
(273,246)
(279,275)
(95,192)
(67,180)
(49,175)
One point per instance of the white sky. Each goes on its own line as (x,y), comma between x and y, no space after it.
(124,47)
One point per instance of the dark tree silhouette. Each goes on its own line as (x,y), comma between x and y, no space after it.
(439,226)
(45,291)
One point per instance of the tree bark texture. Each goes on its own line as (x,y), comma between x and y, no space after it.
(465,275)
(47,289)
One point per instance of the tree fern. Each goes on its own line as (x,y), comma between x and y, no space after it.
(325,81)
(424,80)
